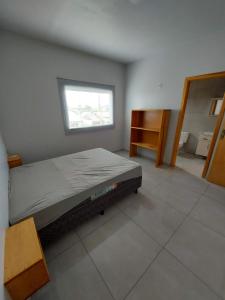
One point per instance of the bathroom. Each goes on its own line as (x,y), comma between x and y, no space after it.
(203,106)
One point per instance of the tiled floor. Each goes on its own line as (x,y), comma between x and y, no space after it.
(191,164)
(166,242)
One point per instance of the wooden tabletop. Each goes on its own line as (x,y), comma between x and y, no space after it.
(22,249)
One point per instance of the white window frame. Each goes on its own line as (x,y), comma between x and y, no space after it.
(67,82)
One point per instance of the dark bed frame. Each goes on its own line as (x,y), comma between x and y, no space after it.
(86,210)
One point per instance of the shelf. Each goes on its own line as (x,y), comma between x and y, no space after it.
(146,146)
(151,110)
(147,129)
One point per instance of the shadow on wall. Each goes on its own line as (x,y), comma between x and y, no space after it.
(191,146)
(171,135)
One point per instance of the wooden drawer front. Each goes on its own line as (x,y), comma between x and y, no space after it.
(28,282)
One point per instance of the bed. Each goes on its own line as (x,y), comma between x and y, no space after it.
(62,192)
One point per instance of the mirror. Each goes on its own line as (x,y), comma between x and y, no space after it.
(215,106)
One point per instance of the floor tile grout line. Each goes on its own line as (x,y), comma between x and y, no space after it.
(179,225)
(81,238)
(169,181)
(218,200)
(195,275)
(140,227)
(178,210)
(162,248)
(189,215)
(98,271)
(209,195)
(163,201)
(119,209)
(207,188)
(154,187)
(165,247)
(200,195)
(184,220)
(207,226)
(203,181)
(106,221)
(142,275)
(167,203)
(168,168)
(64,250)
(185,267)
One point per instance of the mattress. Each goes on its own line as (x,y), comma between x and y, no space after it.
(48,189)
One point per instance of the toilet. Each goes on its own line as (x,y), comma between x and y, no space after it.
(183,138)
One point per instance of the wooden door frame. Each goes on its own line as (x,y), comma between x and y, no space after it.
(186,88)
(218,128)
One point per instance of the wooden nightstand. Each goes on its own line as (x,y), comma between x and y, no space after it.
(14,161)
(25,270)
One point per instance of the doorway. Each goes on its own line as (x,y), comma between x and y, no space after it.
(193,146)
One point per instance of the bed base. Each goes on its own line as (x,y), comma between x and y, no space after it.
(86,210)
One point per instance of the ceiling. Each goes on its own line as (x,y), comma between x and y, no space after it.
(123,30)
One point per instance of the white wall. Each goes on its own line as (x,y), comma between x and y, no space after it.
(3,209)
(201,56)
(30,114)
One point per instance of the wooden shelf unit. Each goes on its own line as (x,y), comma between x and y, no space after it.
(149,131)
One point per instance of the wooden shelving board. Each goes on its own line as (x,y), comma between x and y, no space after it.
(147,129)
(146,146)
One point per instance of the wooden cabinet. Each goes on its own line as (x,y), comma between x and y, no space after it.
(149,131)
(14,161)
(25,270)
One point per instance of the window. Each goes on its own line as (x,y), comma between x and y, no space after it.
(86,105)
